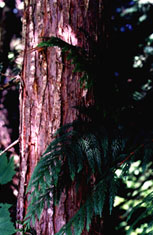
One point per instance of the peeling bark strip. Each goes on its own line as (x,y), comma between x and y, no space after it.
(50,90)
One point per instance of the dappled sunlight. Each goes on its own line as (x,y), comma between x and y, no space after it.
(145,1)
(19,4)
(138,186)
(2,4)
(66,33)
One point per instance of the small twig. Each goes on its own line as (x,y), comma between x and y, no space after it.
(8,76)
(127,158)
(131,154)
(14,81)
(10,146)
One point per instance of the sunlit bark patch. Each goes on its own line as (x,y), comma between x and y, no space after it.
(67,34)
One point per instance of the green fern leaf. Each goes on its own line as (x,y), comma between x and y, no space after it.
(89,213)
(55,41)
(68,231)
(104,145)
(113,185)
(66,157)
(6,226)
(76,54)
(79,223)
(6,169)
(99,197)
(88,151)
(148,153)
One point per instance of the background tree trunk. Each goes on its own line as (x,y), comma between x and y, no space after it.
(49,89)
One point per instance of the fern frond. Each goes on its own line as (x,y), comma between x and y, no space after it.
(91,149)
(104,143)
(74,155)
(113,187)
(148,201)
(89,213)
(6,169)
(6,226)
(99,196)
(149,229)
(55,41)
(93,206)
(77,55)
(148,153)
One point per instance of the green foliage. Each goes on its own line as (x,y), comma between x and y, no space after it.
(136,202)
(25,230)
(90,156)
(79,58)
(67,157)
(146,205)
(6,226)
(6,174)
(93,206)
(6,169)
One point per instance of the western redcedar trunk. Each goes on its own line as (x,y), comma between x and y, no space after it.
(50,90)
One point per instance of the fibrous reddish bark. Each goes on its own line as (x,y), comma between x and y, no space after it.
(50,90)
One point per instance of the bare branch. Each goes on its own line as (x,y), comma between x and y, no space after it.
(10,146)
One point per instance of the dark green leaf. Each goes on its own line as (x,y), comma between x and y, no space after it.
(6,226)
(6,169)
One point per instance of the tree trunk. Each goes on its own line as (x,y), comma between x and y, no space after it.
(50,90)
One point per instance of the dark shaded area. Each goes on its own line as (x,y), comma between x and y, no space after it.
(10,28)
(116,79)
(126,102)
(11,103)
(6,196)
(10,25)
(122,72)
